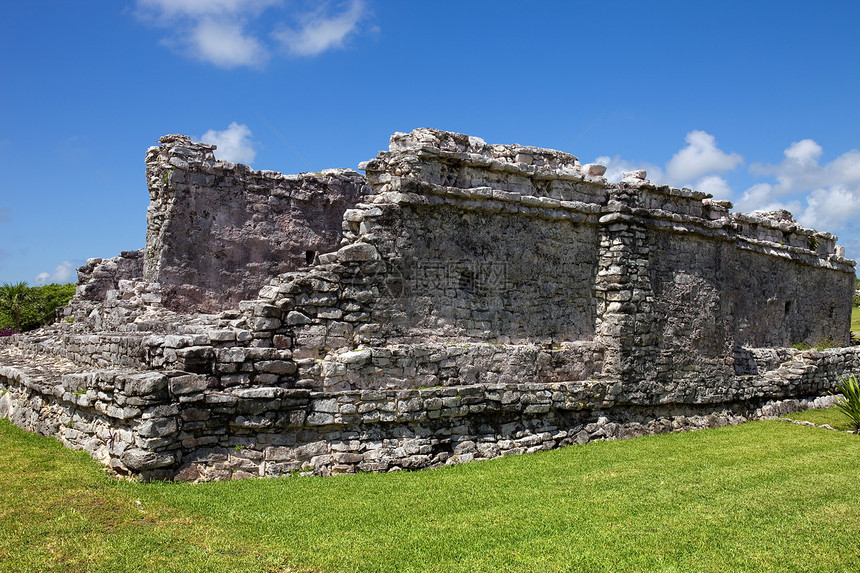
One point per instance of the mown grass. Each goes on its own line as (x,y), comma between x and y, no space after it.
(855,319)
(830,416)
(764,496)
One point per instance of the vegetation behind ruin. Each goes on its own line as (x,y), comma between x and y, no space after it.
(24,308)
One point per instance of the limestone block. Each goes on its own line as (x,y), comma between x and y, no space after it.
(357,252)
(263,323)
(258,393)
(144,384)
(235,355)
(295,318)
(356,357)
(327,405)
(319,419)
(594,169)
(221,335)
(187,384)
(280,367)
(158,427)
(122,413)
(139,460)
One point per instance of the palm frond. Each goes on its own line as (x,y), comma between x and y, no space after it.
(849,404)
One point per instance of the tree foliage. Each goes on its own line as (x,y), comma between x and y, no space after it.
(23,307)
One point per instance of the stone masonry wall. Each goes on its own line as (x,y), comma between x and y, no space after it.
(175,425)
(217,231)
(472,301)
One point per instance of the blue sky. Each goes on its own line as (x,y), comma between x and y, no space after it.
(756,102)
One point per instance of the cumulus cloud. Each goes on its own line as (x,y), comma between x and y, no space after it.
(695,165)
(213,31)
(824,196)
(226,44)
(320,31)
(616,167)
(700,156)
(803,152)
(167,9)
(234,143)
(801,171)
(821,195)
(65,272)
(227,33)
(835,208)
(760,198)
(715,185)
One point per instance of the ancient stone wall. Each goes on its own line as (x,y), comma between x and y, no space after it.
(217,231)
(172,424)
(475,300)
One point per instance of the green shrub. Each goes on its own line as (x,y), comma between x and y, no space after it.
(849,404)
(23,307)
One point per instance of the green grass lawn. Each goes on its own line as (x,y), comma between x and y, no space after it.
(830,416)
(764,496)
(855,319)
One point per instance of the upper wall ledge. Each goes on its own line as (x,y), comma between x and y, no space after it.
(179,152)
(423,144)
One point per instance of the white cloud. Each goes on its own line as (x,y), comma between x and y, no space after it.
(845,168)
(700,156)
(65,272)
(800,170)
(213,31)
(831,208)
(615,167)
(227,32)
(824,196)
(715,185)
(803,152)
(694,166)
(234,143)
(320,31)
(166,9)
(226,44)
(758,198)
(755,198)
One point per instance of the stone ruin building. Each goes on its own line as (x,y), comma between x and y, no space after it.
(459,301)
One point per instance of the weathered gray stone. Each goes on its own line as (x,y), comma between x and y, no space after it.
(139,460)
(462,301)
(357,252)
(295,318)
(145,383)
(188,384)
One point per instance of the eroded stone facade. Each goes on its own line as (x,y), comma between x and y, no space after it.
(460,301)
(218,231)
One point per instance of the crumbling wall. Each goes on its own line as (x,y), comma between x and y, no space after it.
(480,300)
(99,276)
(218,231)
